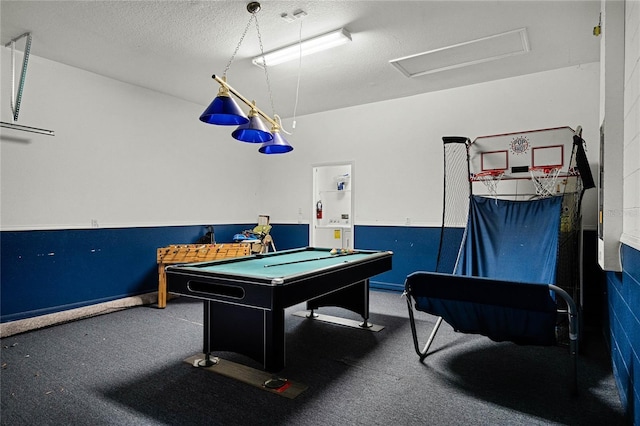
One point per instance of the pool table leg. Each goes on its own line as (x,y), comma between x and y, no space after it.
(312,314)
(354,297)
(274,342)
(366,323)
(255,332)
(206,321)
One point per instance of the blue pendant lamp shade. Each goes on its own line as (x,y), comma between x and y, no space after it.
(278,145)
(224,111)
(254,131)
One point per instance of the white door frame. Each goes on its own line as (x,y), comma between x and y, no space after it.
(314,199)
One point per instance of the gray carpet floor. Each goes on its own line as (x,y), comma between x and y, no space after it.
(127,368)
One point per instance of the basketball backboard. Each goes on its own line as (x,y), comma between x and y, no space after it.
(516,153)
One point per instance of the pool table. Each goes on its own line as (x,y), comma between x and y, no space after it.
(245,297)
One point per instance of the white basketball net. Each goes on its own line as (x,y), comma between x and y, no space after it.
(490,179)
(544,179)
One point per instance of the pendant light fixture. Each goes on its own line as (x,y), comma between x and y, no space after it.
(225,111)
(254,131)
(278,144)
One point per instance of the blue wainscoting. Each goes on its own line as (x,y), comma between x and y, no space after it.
(413,248)
(624,327)
(47,271)
(55,270)
(289,236)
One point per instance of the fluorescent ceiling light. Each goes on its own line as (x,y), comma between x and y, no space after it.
(306,47)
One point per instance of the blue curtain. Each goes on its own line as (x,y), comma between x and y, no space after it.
(512,240)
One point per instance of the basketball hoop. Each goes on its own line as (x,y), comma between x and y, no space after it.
(490,179)
(544,179)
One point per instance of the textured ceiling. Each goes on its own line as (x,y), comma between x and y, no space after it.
(174,47)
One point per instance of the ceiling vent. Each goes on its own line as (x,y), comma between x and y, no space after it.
(464,54)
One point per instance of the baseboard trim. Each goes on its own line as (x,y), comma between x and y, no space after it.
(21,326)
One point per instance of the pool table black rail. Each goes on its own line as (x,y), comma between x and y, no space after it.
(263,293)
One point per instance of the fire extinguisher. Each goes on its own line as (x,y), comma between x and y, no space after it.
(319,210)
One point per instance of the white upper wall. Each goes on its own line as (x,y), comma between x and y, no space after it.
(126,156)
(397,145)
(121,155)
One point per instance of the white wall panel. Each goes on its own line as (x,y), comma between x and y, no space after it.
(397,145)
(122,156)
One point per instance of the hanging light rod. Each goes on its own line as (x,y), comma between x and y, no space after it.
(27,128)
(304,48)
(250,104)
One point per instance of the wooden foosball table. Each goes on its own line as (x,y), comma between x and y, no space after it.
(190,253)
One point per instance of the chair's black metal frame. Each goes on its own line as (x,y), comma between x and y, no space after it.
(572,315)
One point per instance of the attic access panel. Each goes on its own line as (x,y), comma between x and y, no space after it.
(464,54)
